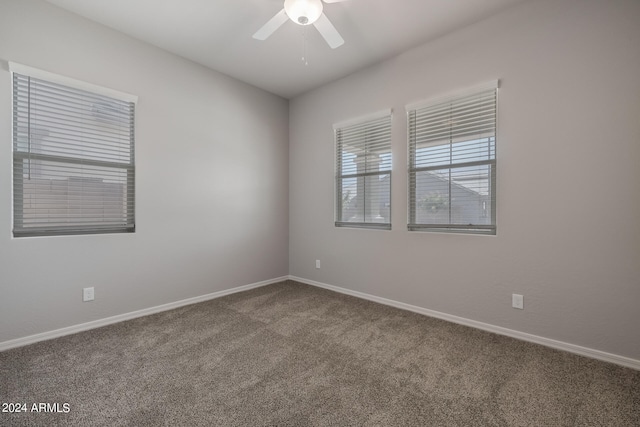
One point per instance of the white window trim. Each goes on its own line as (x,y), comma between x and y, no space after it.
(354,122)
(362,119)
(439,99)
(14,67)
(37,73)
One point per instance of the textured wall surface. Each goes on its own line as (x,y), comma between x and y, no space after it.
(568,153)
(211,177)
(215,156)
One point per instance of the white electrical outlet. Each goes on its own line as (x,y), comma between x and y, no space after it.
(517,301)
(88,294)
(317,263)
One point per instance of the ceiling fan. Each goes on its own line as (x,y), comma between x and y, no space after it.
(303,12)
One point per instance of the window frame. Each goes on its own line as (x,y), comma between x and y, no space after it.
(127,169)
(451,227)
(370,119)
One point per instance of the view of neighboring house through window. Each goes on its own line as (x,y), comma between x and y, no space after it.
(363,172)
(452,163)
(73,156)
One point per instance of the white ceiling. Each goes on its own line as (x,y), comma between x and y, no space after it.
(218,34)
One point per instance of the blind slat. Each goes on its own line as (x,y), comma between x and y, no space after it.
(363,173)
(452,165)
(73,167)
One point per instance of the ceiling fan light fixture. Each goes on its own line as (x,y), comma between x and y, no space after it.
(303,12)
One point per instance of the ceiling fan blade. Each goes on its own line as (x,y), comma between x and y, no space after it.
(271,26)
(328,31)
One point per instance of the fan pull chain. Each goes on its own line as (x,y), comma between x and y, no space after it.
(305,57)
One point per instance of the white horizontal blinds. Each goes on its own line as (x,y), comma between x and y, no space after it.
(452,156)
(363,173)
(73,160)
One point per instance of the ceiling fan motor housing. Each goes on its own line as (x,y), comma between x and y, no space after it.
(303,12)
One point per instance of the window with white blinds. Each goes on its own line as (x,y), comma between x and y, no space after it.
(363,172)
(73,157)
(452,163)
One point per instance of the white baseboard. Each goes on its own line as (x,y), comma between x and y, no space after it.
(559,345)
(19,342)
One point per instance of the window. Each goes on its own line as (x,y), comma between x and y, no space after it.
(363,172)
(73,156)
(452,163)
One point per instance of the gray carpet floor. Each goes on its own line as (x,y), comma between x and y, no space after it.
(289,354)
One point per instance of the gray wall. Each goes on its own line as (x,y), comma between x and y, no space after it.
(568,152)
(212,195)
(568,173)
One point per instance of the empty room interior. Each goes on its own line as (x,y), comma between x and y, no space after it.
(306,212)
